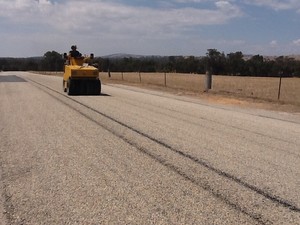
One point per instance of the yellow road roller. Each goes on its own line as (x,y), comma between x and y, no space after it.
(80,78)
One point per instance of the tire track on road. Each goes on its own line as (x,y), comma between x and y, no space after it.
(205,104)
(218,123)
(259,218)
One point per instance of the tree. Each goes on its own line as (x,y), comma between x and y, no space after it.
(52,61)
(3,64)
(235,63)
(171,65)
(284,65)
(215,61)
(255,65)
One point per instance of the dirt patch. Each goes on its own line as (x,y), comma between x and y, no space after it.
(254,103)
(216,96)
(219,98)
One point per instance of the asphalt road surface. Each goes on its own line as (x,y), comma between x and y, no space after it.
(133,156)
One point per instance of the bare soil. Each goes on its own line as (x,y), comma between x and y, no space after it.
(221,98)
(246,92)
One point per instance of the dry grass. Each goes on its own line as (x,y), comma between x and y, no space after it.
(251,87)
(258,92)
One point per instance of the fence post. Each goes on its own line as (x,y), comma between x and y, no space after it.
(279,88)
(165,79)
(208,80)
(140,77)
(122,76)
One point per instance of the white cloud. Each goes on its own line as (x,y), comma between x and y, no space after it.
(106,24)
(277,4)
(103,14)
(26,11)
(273,43)
(296,42)
(188,1)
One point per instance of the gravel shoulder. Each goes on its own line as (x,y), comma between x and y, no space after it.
(213,97)
(220,98)
(141,155)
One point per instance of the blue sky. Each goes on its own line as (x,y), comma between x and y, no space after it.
(149,27)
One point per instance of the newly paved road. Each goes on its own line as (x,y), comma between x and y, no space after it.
(132,156)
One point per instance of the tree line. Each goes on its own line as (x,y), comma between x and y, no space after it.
(51,61)
(234,64)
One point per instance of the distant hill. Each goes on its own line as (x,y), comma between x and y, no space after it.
(268,57)
(296,57)
(125,55)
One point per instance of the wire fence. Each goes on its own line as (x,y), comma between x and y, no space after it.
(286,89)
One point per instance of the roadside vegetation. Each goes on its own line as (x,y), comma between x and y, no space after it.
(232,64)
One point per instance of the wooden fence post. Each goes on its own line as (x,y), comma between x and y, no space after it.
(140,77)
(279,88)
(109,75)
(208,80)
